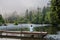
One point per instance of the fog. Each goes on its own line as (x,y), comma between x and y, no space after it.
(8,6)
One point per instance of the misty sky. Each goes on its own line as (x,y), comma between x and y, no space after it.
(20,5)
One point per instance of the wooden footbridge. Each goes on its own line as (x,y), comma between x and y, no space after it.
(22,34)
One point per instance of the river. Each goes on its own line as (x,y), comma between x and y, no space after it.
(53,37)
(12,26)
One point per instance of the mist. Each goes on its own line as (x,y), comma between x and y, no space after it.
(9,6)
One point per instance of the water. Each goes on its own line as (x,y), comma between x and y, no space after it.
(12,26)
(53,37)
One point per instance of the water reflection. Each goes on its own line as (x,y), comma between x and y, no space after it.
(12,26)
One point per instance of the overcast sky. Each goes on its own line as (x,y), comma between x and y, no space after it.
(21,5)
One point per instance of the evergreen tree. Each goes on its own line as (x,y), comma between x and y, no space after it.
(44,14)
(55,12)
(55,15)
(30,16)
(38,15)
(1,20)
(26,16)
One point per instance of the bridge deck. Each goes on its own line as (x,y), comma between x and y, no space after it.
(23,32)
(18,34)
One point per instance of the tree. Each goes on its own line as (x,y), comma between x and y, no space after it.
(37,20)
(47,18)
(1,20)
(26,16)
(45,14)
(30,16)
(54,15)
(55,11)
(58,8)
